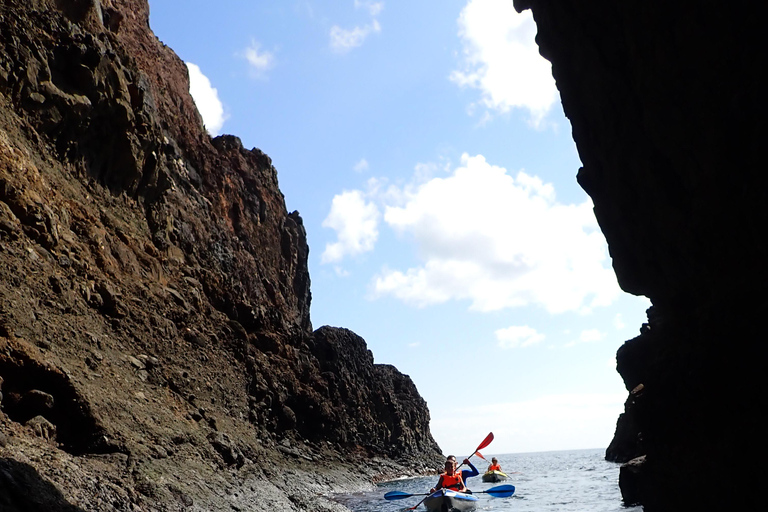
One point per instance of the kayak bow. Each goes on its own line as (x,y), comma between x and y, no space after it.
(444,500)
(494,476)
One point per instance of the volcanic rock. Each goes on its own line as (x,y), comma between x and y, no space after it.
(156,348)
(667,105)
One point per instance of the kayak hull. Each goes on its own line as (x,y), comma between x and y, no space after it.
(494,476)
(446,500)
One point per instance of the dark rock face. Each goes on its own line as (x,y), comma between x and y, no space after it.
(24,489)
(378,405)
(631,481)
(666,100)
(155,338)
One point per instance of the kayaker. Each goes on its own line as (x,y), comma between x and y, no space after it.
(495,466)
(467,473)
(451,479)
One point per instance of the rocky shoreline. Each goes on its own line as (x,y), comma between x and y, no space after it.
(156,349)
(37,476)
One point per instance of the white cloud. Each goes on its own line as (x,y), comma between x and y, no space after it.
(618,322)
(518,336)
(591,336)
(374,8)
(501,59)
(356,224)
(588,336)
(532,425)
(341,271)
(498,241)
(344,40)
(259,61)
(361,165)
(206,99)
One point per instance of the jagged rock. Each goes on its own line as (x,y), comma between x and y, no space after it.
(10,226)
(667,112)
(35,402)
(42,428)
(226,448)
(380,407)
(631,481)
(126,229)
(627,441)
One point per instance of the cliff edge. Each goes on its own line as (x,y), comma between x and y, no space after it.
(667,104)
(156,348)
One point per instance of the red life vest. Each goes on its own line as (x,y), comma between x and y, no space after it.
(494,467)
(453,481)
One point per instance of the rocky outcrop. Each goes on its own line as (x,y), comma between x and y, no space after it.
(156,348)
(378,405)
(667,106)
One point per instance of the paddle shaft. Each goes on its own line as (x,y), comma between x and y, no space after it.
(485,443)
(419,503)
(482,445)
(501,491)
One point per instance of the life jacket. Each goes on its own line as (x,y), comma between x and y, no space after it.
(453,481)
(494,467)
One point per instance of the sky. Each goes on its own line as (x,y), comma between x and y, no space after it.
(425,147)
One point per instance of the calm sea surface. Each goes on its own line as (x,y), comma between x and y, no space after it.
(577,480)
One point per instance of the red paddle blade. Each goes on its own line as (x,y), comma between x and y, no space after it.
(485,442)
(481,456)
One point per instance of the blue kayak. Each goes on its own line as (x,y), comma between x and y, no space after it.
(446,500)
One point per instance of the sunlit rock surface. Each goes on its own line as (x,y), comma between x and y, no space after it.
(156,349)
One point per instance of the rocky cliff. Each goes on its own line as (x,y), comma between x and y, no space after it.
(156,348)
(667,104)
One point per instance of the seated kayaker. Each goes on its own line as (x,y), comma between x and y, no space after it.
(451,479)
(495,466)
(467,473)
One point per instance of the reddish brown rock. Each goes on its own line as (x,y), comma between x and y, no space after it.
(155,288)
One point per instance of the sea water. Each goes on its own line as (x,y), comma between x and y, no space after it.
(563,481)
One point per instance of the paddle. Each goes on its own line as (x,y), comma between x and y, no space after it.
(485,443)
(501,491)
(399,495)
(482,445)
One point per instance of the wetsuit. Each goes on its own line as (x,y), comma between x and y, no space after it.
(467,473)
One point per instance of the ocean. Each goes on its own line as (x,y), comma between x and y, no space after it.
(562,481)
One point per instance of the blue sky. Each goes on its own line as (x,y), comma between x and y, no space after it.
(425,147)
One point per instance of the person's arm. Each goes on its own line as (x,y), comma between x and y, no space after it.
(438,485)
(467,473)
(463,483)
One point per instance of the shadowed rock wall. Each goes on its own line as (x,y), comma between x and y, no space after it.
(667,104)
(156,348)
